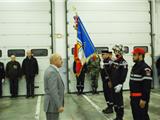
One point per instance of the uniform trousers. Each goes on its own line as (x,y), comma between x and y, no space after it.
(137,112)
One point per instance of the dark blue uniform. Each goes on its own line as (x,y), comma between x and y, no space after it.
(2,76)
(119,71)
(105,75)
(140,85)
(80,78)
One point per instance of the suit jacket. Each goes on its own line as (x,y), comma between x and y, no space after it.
(54,90)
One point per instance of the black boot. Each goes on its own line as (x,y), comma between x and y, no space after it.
(81,91)
(96,92)
(78,92)
(93,90)
(108,110)
(119,113)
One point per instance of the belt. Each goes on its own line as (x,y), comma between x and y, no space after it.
(135,94)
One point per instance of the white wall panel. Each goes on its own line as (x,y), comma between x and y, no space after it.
(124,38)
(106,27)
(109,5)
(24,5)
(24,17)
(112,16)
(157,50)
(25,28)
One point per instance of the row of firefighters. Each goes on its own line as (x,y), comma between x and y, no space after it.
(113,74)
(14,71)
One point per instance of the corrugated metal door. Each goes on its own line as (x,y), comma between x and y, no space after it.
(26,24)
(111,22)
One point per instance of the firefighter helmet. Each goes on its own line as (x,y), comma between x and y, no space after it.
(118,48)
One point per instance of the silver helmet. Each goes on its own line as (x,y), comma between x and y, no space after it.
(118,48)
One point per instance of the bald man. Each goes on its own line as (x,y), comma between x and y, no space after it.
(13,72)
(30,69)
(54,89)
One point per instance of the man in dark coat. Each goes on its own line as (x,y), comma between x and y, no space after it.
(30,69)
(2,76)
(13,72)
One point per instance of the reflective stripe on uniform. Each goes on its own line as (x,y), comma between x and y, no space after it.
(136,75)
(140,79)
(120,64)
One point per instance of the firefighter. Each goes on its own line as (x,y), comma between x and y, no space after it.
(140,85)
(119,69)
(2,76)
(30,69)
(105,75)
(93,67)
(13,72)
(79,77)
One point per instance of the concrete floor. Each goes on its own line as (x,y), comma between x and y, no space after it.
(76,108)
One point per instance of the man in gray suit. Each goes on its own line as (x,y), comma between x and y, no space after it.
(54,89)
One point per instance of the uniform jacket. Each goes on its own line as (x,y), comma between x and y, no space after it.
(119,69)
(140,80)
(106,71)
(93,65)
(30,66)
(2,72)
(13,69)
(54,90)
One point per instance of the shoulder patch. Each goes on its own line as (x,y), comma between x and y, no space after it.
(148,71)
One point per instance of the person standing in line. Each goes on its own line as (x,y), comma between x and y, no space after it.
(2,76)
(119,69)
(54,89)
(13,72)
(79,77)
(30,69)
(93,67)
(105,75)
(140,85)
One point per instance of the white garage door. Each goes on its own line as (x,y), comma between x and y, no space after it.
(111,22)
(25,24)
